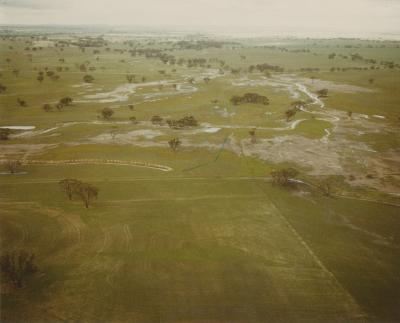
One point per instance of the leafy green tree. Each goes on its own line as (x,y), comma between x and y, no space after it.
(66,101)
(70,186)
(87,193)
(107,113)
(174,144)
(88,78)
(253,137)
(290,113)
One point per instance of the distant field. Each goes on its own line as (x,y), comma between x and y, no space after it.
(206,236)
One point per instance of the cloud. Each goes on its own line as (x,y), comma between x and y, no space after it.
(34,4)
(323,15)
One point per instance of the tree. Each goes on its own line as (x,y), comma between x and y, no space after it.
(327,186)
(4,133)
(290,113)
(70,186)
(323,93)
(22,103)
(47,107)
(88,78)
(371,81)
(87,193)
(174,144)
(3,88)
(133,120)
(349,114)
(131,78)
(40,78)
(283,176)
(65,101)
(253,137)
(131,107)
(156,120)
(107,113)
(13,165)
(207,80)
(17,267)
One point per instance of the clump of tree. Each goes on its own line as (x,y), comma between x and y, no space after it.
(284,176)
(75,188)
(5,133)
(265,67)
(249,98)
(88,78)
(17,267)
(174,144)
(185,122)
(107,113)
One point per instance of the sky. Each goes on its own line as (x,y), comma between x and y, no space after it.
(337,16)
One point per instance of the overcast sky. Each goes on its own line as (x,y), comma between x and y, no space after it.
(308,15)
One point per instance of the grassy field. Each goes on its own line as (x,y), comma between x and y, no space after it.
(212,239)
